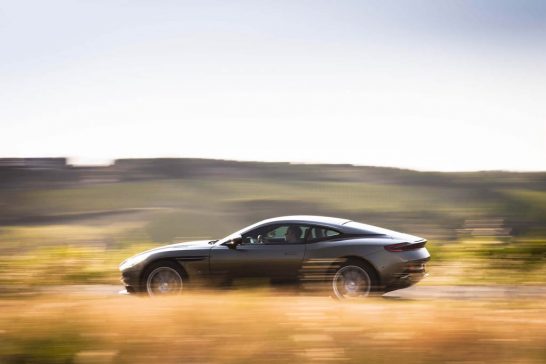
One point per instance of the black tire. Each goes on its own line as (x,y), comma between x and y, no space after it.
(353,280)
(163,278)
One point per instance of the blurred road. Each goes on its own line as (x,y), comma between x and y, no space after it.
(413,293)
(468,292)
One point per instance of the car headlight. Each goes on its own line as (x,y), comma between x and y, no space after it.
(131,262)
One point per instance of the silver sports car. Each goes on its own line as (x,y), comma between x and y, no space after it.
(350,258)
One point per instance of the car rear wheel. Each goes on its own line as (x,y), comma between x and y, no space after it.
(164,279)
(351,281)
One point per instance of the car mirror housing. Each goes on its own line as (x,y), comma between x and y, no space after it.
(233,242)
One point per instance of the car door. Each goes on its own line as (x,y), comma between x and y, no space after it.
(265,253)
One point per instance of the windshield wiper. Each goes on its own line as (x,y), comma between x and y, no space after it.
(212,241)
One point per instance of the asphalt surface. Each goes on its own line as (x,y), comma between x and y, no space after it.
(468,292)
(417,292)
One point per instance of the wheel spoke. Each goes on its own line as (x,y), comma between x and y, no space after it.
(164,280)
(351,282)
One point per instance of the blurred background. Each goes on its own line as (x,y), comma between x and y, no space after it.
(128,125)
(64,229)
(482,227)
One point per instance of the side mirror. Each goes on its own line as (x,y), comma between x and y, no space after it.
(236,240)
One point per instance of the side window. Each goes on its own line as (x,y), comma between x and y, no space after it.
(255,236)
(318,233)
(277,234)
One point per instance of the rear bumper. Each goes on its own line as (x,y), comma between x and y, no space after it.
(405,280)
(412,272)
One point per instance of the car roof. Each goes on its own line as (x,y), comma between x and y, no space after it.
(344,225)
(308,219)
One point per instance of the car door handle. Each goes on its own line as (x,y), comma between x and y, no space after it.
(288,253)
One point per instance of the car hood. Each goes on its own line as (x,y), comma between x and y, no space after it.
(199,245)
(188,245)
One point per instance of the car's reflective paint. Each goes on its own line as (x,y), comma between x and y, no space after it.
(208,261)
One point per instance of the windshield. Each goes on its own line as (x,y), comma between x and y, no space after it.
(227,238)
(238,233)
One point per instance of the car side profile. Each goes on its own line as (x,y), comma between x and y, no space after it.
(351,259)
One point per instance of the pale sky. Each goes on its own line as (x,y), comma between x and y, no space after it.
(430,85)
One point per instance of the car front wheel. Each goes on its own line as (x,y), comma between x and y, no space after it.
(163,279)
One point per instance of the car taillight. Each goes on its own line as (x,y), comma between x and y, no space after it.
(403,247)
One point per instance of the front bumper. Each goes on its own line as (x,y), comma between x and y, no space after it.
(130,279)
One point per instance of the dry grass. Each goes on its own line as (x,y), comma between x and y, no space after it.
(265,326)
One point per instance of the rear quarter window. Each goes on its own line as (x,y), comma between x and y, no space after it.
(317,233)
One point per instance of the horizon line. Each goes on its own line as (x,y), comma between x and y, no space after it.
(107,162)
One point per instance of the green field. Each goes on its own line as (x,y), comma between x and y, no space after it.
(63,229)
(487,227)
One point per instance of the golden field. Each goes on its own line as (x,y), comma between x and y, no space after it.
(262,325)
(64,232)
